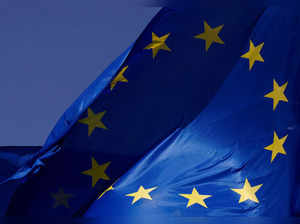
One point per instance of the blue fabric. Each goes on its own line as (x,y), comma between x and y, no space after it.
(70,117)
(11,159)
(30,172)
(225,143)
(30,197)
(180,119)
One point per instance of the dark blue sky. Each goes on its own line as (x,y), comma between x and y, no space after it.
(50,51)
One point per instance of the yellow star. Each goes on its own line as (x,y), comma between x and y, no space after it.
(141,193)
(253,54)
(108,189)
(277,94)
(195,198)
(277,146)
(93,121)
(61,198)
(210,35)
(247,192)
(158,43)
(119,78)
(97,171)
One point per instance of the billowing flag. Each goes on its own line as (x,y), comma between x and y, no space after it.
(199,117)
(238,157)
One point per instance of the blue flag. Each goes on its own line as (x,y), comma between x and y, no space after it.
(199,117)
(238,157)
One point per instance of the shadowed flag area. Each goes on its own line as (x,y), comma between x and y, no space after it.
(12,158)
(199,117)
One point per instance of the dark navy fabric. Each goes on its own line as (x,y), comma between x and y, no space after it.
(11,159)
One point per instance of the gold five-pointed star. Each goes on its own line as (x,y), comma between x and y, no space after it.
(247,192)
(195,198)
(158,43)
(210,35)
(93,121)
(141,193)
(97,171)
(119,78)
(277,146)
(61,198)
(254,54)
(277,94)
(108,189)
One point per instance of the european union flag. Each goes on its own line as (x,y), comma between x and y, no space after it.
(238,157)
(199,117)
